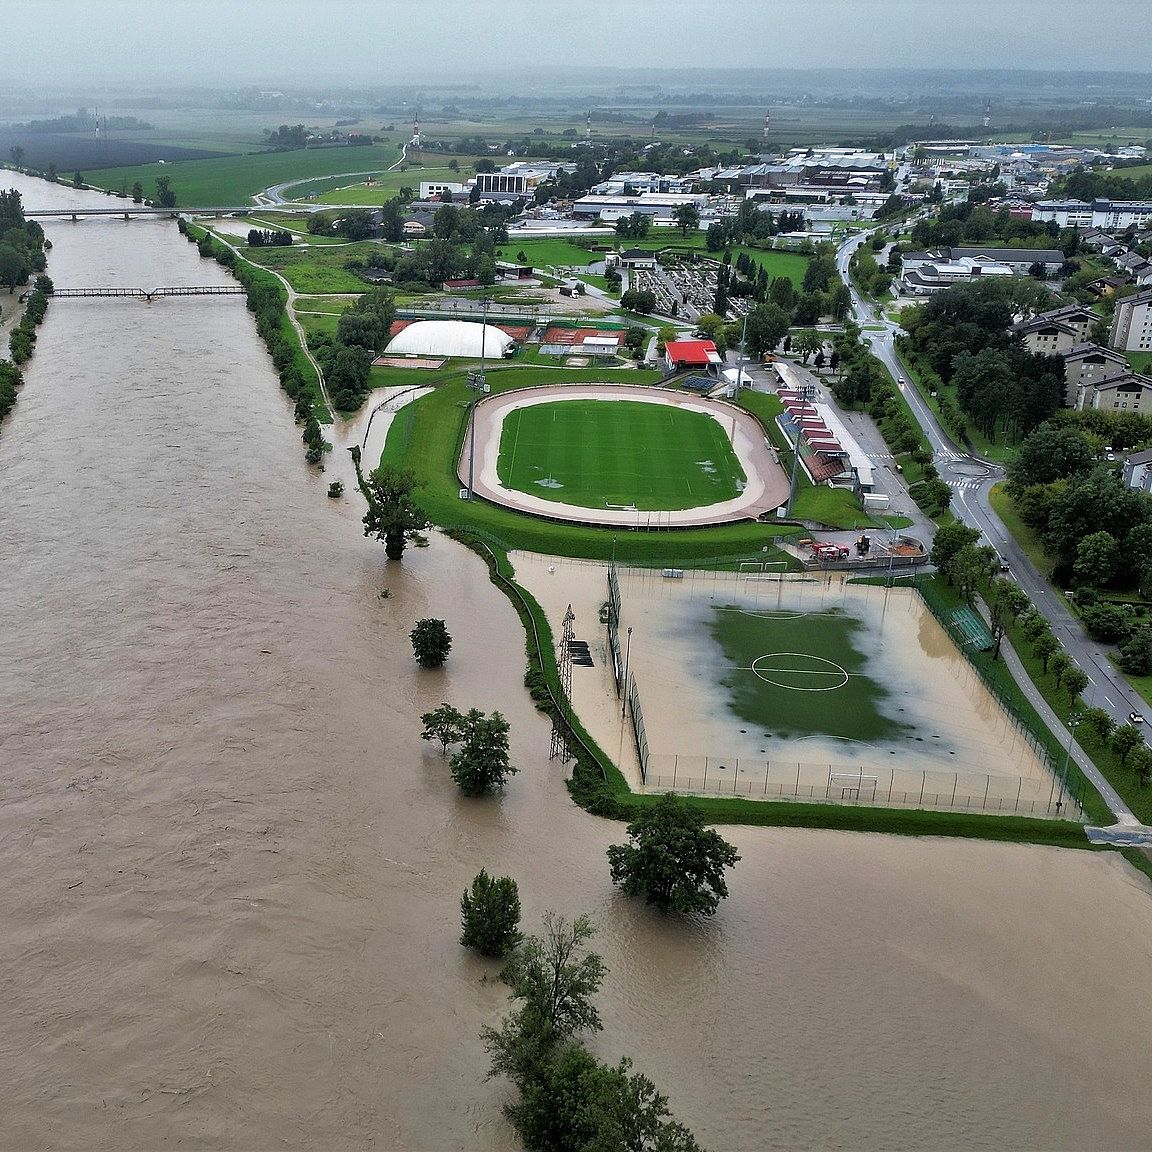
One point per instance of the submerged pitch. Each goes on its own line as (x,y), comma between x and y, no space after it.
(801,673)
(619,453)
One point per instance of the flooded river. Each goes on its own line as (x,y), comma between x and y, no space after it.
(232,870)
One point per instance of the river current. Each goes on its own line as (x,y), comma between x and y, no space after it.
(231,869)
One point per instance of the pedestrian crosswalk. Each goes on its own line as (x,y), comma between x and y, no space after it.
(967,484)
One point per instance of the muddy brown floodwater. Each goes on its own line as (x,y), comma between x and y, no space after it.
(231,870)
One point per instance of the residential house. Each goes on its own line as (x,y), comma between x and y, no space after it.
(1049,337)
(1077,316)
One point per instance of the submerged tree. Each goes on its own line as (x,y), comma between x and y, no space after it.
(430,643)
(674,861)
(490,915)
(392,514)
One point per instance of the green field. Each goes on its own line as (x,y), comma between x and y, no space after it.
(388,184)
(556,251)
(800,674)
(1140,361)
(316,270)
(618,453)
(236,179)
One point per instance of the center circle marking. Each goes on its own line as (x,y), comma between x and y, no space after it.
(831,669)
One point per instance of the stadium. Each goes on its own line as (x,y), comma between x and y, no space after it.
(620,455)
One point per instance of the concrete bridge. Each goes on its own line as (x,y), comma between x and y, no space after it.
(141,210)
(155,294)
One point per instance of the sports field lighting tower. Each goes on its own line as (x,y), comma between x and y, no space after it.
(478,386)
(743,359)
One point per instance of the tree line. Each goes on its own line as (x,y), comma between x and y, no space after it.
(22,243)
(963,335)
(22,251)
(269,238)
(362,332)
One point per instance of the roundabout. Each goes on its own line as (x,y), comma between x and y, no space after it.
(613,458)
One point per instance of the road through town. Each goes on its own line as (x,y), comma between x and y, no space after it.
(971,480)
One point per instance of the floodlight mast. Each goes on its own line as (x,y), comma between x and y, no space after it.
(478,386)
(743,358)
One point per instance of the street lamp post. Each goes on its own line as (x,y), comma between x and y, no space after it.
(478,385)
(627,660)
(1072,722)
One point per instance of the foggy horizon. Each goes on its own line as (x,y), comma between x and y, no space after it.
(54,43)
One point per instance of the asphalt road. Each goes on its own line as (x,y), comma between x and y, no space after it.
(971,480)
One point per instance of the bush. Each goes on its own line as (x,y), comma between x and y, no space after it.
(1107,623)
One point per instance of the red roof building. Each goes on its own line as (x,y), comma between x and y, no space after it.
(680,354)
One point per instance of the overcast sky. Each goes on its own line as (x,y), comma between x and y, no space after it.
(371,41)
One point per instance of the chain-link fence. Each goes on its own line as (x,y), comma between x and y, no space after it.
(844,784)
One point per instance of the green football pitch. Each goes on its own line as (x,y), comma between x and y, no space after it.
(618,453)
(801,674)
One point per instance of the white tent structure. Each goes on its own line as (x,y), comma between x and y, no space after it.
(450,338)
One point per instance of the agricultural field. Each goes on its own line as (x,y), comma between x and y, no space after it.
(605,453)
(237,179)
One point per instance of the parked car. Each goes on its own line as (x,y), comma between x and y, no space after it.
(1135,718)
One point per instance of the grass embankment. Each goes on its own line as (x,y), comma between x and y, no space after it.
(1027,538)
(1140,361)
(231,180)
(932,389)
(427,437)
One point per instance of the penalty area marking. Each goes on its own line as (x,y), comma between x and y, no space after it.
(832,669)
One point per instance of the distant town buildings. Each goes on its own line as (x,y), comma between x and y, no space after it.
(1105,214)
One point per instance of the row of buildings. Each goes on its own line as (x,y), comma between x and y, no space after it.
(1094,376)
